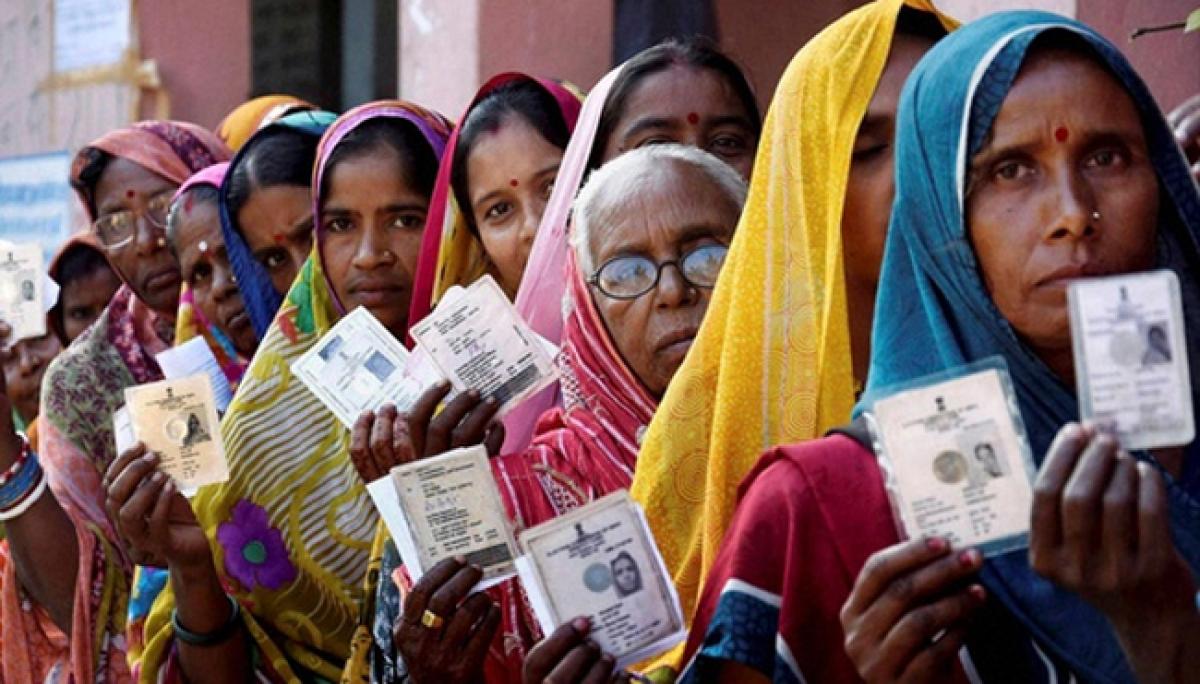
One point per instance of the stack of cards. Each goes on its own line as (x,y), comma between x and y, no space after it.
(956,460)
(21,284)
(479,341)
(178,420)
(601,561)
(447,506)
(1131,359)
(359,366)
(195,357)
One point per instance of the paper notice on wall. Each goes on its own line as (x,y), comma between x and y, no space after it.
(90,33)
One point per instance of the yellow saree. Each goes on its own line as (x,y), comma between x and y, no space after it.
(772,361)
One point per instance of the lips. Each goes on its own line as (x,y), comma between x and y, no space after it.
(376,293)
(1063,275)
(679,340)
(162,279)
(237,320)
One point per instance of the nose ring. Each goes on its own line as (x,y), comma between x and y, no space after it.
(162,242)
(1096,215)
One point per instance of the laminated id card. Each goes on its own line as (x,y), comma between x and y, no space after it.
(955,458)
(1131,363)
(600,560)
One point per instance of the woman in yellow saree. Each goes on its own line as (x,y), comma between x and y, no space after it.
(780,355)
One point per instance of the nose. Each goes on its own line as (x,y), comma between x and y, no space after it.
(224,284)
(374,249)
(673,291)
(28,360)
(149,237)
(1074,205)
(529,227)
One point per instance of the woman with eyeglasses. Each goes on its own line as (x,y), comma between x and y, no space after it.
(650,234)
(68,565)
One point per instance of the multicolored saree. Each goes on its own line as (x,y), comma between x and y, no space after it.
(252,116)
(292,529)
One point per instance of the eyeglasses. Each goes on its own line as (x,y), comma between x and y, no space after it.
(119,229)
(630,277)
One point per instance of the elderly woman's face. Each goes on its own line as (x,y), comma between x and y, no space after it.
(1063,189)
(681,210)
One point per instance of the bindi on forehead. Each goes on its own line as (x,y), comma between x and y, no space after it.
(1061,134)
(693,118)
(278,238)
(514,183)
(130,194)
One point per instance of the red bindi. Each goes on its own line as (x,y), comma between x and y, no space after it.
(129,194)
(1061,134)
(514,182)
(187,203)
(278,237)
(693,118)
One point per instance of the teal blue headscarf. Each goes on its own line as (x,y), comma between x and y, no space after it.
(934,313)
(258,294)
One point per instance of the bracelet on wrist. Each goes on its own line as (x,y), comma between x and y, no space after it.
(18,463)
(27,483)
(217,636)
(26,503)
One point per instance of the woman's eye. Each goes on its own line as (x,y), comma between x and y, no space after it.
(727,144)
(408,221)
(656,140)
(200,274)
(1104,158)
(868,152)
(78,314)
(1012,170)
(274,260)
(548,188)
(338,225)
(497,211)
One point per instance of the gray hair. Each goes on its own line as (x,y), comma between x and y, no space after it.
(619,181)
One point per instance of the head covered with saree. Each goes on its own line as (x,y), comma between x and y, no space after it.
(86,385)
(251,116)
(451,252)
(190,322)
(936,313)
(258,293)
(772,361)
(293,526)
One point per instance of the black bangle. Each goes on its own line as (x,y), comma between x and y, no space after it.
(211,638)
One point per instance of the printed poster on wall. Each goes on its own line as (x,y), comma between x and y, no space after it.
(36,204)
(90,33)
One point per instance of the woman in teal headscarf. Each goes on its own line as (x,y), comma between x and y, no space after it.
(1027,152)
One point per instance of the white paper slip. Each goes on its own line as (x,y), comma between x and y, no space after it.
(22,290)
(359,366)
(600,560)
(1131,358)
(447,506)
(955,459)
(123,436)
(479,341)
(178,420)
(192,357)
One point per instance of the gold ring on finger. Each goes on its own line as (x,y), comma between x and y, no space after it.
(432,620)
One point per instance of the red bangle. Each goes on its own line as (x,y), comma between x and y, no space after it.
(23,456)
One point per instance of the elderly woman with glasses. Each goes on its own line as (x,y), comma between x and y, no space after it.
(65,586)
(650,233)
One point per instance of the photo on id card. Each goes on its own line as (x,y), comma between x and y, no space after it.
(1131,357)
(955,458)
(453,508)
(600,560)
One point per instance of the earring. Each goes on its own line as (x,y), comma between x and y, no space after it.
(1096,215)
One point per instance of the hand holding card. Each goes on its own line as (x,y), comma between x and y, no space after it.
(21,290)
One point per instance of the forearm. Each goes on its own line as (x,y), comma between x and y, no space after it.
(46,555)
(202,607)
(1164,647)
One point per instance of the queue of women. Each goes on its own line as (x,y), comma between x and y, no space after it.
(909,205)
